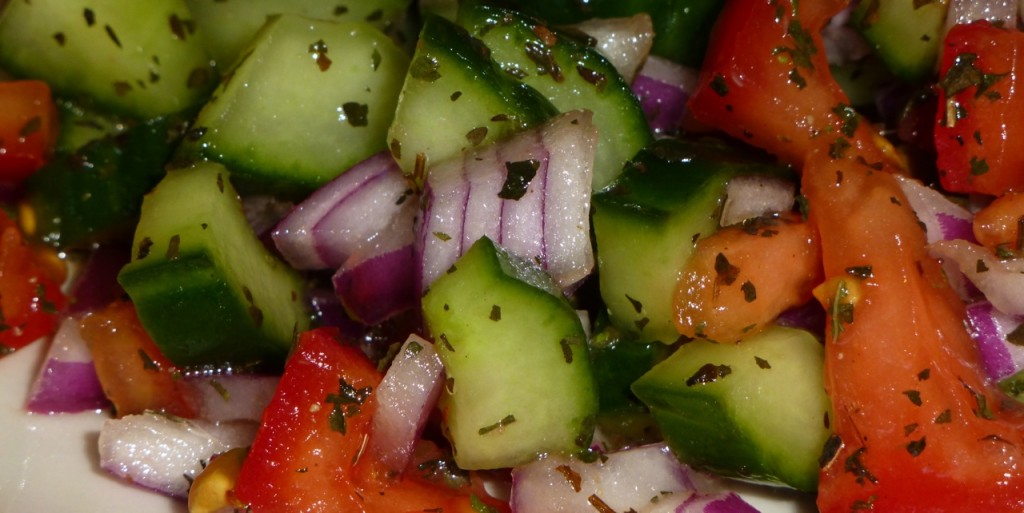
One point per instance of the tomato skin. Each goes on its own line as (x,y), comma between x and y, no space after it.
(28,128)
(765,81)
(921,427)
(300,463)
(30,294)
(979,121)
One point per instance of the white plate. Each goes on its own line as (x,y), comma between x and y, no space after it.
(49,462)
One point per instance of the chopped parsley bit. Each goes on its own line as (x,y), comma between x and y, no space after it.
(914,396)
(862,505)
(356,113)
(719,85)
(172,247)
(425,68)
(800,54)
(980,266)
(762,363)
(345,404)
(497,425)
(596,78)
(541,55)
(413,348)
(837,149)
(983,410)
(749,292)
(571,476)
(476,135)
(978,166)
(964,74)
(708,373)
(444,237)
(495,313)
(856,467)
(46,305)
(221,390)
(518,180)
(924,375)
(147,362)
(849,118)
(445,343)
(566,345)
(637,306)
(642,323)
(830,451)
(910,428)
(945,417)
(916,447)
(599,504)
(727,273)
(318,51)
(861,271)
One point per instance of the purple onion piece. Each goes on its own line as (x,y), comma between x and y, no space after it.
(663,88)
(716,503)
(810,317)
(296,236)
(67,381)
(547,222)
(989,328)
(375,289)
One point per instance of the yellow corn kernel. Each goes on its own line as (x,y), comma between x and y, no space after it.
(211,491)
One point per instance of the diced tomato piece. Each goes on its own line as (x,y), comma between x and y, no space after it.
(28,128)
(1000,225)
(742,277)
(135,375)
(918,426)
(766,81)
(30,294)
(980,120)
(306,456)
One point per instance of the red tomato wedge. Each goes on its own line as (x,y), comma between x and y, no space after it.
(306,456)
(28,128)
(135,375)
(980,120)
(766,81)
(30,294)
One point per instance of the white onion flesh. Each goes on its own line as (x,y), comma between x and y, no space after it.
(230,397)
(549,224)
(405,398)
(625,42)
(752,196)
(163,453)
(1001,281)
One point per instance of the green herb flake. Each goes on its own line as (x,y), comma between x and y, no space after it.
(443,237)
(480,506)
(945,417)
(345,404)
(980,266)
(914,396)
(978,166)
(497,426)
(495,313)
(476,135)
(708,373)
(725,271)
(762,363)
(638,307)
(1016,337)
(855,466)
(841,309)
(916,447)
(848,118)
(719,85)
(221,390)
(566,346)
(147,362)
(518,179)
(862,272)
(749,292)
(45,304)
(318,50)
(425,68)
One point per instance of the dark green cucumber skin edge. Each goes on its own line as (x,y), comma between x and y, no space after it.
(523,296)
(570,74)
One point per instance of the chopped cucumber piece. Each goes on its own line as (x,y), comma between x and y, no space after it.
(205,287)
(455,98)
(132,57)
(507,337)
(754,410)
(228,26)
(571,75)
(310,99)
(647,222)
(906,34)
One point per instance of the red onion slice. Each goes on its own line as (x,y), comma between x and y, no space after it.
(405,398)
(377,288)
(989,328)
(348,215)
(1001,281)
(548,223)
(164,453)
(663,88)
(625,42)
(67,381)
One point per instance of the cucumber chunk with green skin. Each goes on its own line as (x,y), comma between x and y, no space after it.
(228,26)
(906,34)
(571,75)
(94,195)
(455,98)
(507,336)
(206,289)
(755,410)
(310,99)
(142,59)
(647,222)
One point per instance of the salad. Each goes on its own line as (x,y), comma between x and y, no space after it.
(521,256)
